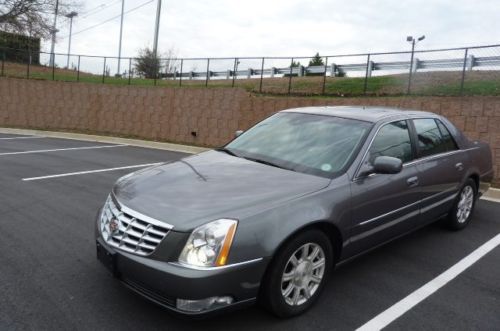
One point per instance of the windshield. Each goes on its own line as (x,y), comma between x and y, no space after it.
(314,144)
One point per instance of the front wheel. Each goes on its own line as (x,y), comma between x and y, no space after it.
(461,213)
(297,274)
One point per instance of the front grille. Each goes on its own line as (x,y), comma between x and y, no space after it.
(129,231)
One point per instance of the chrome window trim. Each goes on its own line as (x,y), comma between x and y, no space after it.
(188,266)
(415,161)
(139,215)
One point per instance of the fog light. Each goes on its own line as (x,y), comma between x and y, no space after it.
(203,304)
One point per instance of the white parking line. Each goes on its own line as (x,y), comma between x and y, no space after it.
(60,149)
(91,171)
(14,138)
(392,313)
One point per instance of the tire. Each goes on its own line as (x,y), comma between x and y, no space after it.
(461,213)
(305,274)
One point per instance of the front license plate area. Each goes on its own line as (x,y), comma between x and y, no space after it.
(107,258)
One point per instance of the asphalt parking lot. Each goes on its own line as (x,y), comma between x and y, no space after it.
(50,279)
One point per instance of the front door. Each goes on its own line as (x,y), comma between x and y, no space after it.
(386,205)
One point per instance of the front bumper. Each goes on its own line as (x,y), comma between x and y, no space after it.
(165,282)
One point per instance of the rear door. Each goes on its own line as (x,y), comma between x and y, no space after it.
(439,165)
(386,205)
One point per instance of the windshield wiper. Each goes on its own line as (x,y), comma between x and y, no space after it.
(267,163)
(227,151)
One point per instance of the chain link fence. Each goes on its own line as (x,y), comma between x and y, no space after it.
(449,72)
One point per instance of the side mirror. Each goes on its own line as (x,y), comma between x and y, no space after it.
(387,165)
(238,133)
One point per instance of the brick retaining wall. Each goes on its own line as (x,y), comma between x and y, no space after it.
(172,114)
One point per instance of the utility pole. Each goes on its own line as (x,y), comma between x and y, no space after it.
(70,16)
(157,29)
(54,31)
(120,42)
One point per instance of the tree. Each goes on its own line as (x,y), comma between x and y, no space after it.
(32,17)
(295,64)
(150,66)
(316,61)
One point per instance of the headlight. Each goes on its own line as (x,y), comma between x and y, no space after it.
(209,244)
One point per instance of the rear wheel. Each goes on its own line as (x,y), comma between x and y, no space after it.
(462,210)
(297,274)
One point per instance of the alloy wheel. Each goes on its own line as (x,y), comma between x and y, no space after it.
(303,274)
(465,204)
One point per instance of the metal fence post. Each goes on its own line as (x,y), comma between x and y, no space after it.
(53,56)
(208,72)
(261,75)
(366,73)
(290,78)
(156,70)
(104,70)
(180,78)
(3,62)
(463,71)
(129,71)
(324,77)
(78,69)
(235,68)
(28,65)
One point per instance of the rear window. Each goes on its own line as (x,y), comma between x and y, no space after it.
(447,137)
(433,137)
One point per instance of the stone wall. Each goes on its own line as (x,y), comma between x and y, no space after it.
(201,116)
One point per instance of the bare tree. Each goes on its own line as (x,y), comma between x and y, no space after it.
(149,66)
(31,17)
(171,61)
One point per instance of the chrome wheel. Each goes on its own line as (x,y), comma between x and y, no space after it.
(465,203)
(303,274)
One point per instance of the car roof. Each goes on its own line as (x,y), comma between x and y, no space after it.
(362,113)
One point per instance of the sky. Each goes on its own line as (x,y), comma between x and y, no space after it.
(232,28)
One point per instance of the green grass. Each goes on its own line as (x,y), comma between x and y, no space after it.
(483,88)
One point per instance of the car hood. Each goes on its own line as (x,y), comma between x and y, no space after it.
(208,186)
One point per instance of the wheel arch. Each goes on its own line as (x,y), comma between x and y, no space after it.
(331,230)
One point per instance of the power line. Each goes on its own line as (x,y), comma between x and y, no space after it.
(97,9)
(110,19)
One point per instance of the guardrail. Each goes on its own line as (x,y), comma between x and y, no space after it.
(480,63)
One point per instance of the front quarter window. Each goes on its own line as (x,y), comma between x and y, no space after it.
(393,140)
(315,144)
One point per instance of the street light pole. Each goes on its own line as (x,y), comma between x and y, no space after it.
(413,42)
(157,29)
(120,42)
(54,31)
(70,16)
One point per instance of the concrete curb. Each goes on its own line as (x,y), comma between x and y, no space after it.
(105,139)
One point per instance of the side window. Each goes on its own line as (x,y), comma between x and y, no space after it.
(430,139)
(393,139)
(451,145)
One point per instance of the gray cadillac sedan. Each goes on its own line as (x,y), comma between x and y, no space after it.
(269,215)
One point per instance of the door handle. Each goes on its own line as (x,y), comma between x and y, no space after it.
(412,181)
(459,166)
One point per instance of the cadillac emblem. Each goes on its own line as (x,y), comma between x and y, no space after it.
(113,226)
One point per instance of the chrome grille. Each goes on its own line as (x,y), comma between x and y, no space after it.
(129,231)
